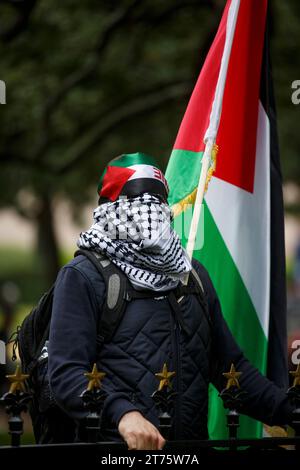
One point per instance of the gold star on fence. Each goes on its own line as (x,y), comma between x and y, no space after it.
(296,374)
(95,377)
(164,376)
(17,380)
(232,377)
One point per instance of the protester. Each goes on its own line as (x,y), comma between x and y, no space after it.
(132,229)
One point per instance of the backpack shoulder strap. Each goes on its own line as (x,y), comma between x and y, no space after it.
(201,294)
(116,286)
(197,281)
(195,286)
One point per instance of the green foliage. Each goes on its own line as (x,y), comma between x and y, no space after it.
(89,80)
(23,269)
(285,52)
(78,64)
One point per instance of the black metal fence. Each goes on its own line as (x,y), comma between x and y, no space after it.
(275,450)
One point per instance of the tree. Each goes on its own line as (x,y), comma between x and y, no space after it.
(89,80)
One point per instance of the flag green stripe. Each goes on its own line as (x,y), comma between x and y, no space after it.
(232,293)
(183,173)
(245,326)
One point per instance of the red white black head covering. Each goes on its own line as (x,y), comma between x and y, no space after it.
(132,224)
(132,175)
(137,236)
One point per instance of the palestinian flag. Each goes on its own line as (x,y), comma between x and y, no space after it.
(242,220)
(131,175)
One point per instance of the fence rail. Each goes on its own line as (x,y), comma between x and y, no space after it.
(265,443)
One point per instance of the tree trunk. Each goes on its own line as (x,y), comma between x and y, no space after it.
(47,243)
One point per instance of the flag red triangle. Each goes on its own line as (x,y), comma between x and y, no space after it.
(238,125)
(114,180)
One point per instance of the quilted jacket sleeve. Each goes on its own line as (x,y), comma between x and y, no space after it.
(72,345)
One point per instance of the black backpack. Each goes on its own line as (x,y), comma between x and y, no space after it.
(50,423)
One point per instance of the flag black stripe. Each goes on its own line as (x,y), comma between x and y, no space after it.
(277,347)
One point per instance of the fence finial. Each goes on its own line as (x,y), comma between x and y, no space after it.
(95,377)
(232,377)
(17,380)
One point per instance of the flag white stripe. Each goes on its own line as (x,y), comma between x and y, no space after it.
(142,171)
(243,220)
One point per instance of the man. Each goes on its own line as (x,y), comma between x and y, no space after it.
(132,229)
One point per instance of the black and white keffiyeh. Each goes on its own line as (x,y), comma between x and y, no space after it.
(137,236)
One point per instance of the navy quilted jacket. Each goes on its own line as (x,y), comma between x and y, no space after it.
(147,337)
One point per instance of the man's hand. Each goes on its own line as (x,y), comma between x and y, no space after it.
(139,433)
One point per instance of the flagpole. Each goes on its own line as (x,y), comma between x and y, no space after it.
(199,198)
(212,130)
